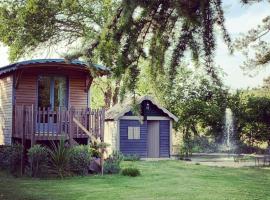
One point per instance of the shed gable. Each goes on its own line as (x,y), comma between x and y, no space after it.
(148,109)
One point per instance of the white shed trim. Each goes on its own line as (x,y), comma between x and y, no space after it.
(129,107)
(148,118)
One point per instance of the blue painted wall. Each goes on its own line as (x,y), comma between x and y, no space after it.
(139,147)
(127,146)
(164,138)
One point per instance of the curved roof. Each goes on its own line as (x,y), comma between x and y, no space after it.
(17,65)
(119,110)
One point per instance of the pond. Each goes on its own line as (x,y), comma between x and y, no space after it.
(230,160)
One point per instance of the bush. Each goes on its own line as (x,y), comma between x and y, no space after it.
(10,158)
(131,157)
(80,157)
(184,151)
(5,152)
(38,161)
(112,164)
(203,144)
(59,157)
(131,172)
(95,150)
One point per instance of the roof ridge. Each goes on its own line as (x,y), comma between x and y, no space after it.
(16,65)
(118,110)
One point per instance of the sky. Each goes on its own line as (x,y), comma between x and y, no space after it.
(239,19)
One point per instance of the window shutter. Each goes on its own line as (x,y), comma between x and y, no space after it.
(136,133)
(130,133)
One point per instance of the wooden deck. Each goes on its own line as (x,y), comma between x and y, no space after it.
(45,124)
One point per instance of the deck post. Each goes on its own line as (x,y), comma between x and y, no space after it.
(13,121)
(102,121)
(33,129)
(70,132)
(23,138)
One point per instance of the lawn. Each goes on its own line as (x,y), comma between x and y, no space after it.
(159,180)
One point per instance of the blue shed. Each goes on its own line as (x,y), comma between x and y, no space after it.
(148,135)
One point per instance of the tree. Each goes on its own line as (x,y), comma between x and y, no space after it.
(31,26)
(105,92)
(117,33)
(251,114)
(254,44)
(28,25)
(258,114)
(156,30)
(194,98)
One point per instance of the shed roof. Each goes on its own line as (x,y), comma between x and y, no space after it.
(119,110)
(18,65)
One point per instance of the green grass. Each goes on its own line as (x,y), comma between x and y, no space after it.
(159,180)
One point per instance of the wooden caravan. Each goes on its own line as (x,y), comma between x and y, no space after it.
(48,99)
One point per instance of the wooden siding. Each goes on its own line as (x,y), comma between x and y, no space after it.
(26,93)
(77,94)
(164,128)
(6,90)
(138,147)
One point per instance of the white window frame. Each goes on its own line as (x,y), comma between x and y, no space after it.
(134,133)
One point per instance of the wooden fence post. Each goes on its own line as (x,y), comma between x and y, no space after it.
(23,139)
(33,129)
(102,121)
(71,113)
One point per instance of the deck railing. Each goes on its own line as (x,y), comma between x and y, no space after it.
(46,124)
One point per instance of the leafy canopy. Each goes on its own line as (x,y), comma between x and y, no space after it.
(28,25)
(254,44)
(117,33)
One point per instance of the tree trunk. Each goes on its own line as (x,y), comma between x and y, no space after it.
(108,97)
(116,93)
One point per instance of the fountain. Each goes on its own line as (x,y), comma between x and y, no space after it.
(229,127)
(228,131)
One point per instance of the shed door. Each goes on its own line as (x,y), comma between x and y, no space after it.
(153,139)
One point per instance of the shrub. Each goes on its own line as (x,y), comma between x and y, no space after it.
(184,151)
(10,158)
(59,156)
(131,157)
(5,152)
(112,164)
(80,157)
(95,150)
(131,172)
(38,160)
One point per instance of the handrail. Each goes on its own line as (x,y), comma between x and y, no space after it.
(46,124)
(93,138)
